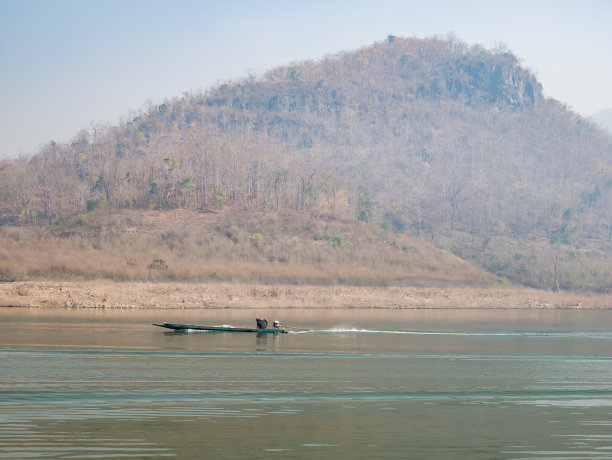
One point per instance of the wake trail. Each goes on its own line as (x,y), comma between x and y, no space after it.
(355,330)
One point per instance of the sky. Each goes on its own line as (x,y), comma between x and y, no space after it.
(67,65)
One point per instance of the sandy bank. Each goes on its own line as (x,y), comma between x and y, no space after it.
(108,294)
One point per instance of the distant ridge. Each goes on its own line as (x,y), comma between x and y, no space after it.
(604,119)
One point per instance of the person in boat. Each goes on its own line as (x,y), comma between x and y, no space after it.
(262,323)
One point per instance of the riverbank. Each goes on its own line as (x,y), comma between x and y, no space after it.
(114,295)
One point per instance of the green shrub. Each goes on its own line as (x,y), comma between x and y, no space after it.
(338,240)
(92,205)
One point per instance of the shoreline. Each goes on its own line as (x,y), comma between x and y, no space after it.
(100,294)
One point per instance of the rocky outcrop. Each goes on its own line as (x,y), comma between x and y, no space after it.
(497,80)
(487,79)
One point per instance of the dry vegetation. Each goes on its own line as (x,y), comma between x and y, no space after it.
(433,138)
(232,259)
(229,245)
(108,294)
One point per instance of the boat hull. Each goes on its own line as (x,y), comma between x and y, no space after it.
(192,327)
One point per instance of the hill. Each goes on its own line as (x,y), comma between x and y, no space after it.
(431,138)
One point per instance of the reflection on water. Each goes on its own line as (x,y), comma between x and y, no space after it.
(344,384)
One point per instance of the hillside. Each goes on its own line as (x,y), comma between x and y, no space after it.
(227,246)
(429,138)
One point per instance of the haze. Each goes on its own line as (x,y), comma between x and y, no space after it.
(68,64)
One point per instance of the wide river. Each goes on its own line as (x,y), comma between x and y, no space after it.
(349,384)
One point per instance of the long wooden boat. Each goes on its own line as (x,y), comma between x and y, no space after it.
(192,327)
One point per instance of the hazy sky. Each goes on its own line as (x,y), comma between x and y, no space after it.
(65,64)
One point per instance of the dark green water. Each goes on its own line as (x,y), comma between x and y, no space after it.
(354,385)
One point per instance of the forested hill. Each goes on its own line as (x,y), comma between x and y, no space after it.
(430,137)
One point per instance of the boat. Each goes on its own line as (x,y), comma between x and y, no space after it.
(193,327)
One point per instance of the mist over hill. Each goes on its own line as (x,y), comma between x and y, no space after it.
(604,119)
(450,143)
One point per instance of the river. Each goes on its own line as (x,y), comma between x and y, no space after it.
(349,383)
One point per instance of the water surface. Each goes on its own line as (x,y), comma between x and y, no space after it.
(344,384)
